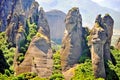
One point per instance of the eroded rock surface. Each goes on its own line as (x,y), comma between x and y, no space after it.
(100,40)
(42,22)
(38,58)
(71,43)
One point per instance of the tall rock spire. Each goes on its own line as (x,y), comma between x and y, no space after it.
(100,40)
(42,22)
(71,43)
(38,58)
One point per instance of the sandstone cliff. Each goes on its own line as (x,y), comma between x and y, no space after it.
(100,40)
(9,8)
(42,22)
(71,43)
(38,58)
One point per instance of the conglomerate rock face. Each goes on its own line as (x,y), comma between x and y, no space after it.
(100,40)
(42,22)
(71,43)
(108,24)
(13,27)
(38,58)
(13,17)
(9,7)
(13,12)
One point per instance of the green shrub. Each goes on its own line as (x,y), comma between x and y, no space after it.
(3,77)
(7,72)
(20,57)
(57,77)
(38,78)
(10,61)
(25,76)
(84,71)
(57,69)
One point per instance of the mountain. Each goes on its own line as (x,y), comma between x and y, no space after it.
(56,22)
(88,10)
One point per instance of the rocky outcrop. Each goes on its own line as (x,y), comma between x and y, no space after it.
(12,28)
(117,45)
(108,23)
(33,12)
(38,58)
(6,10)
(20,40)
(42,22)
(71,43)
(14,12)
(56,22)
(100,40)
(9,8)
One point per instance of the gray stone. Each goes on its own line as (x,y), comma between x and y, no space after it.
(71,43)
(100,40)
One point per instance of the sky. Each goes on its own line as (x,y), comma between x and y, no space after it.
(113,4)
(65,5)
(60,4)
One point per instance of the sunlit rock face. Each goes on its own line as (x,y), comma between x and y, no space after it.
(71,43)
(100,40)
(13,12)
(38,58)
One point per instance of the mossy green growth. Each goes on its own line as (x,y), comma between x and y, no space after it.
(84,71)
(97,25)
(107,14)
(57,69)
(57,62)
(25,76)
(113,71)
(20,57)
(21,29)
(7,52)
(32,30)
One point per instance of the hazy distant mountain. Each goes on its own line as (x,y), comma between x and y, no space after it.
(114,39)
(88,9)
(56,22)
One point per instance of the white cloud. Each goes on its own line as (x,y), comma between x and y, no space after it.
(97,1)
(44,1)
